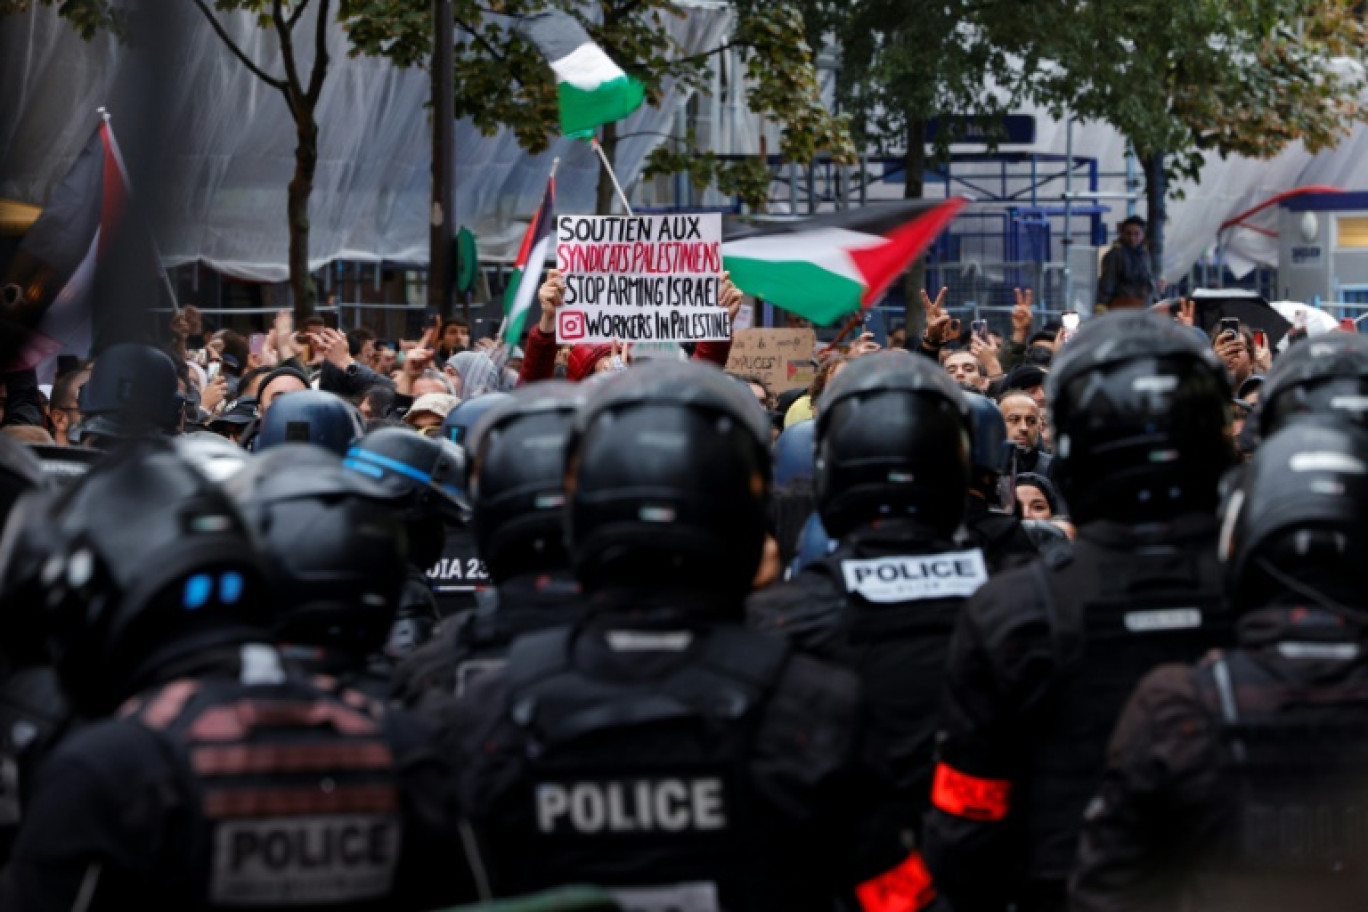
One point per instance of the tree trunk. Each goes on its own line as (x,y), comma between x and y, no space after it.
(1156,210)
(914,168)
(609,141)
(301,187)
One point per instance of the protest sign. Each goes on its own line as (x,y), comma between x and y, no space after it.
(780,357)
(648,278)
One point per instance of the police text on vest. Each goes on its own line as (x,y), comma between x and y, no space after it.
(911,578)
(631,806)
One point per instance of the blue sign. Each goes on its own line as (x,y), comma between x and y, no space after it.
(1011,128)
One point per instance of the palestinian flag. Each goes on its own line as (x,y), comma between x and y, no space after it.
(527,270)
(593,90)
(55,265)
(828,267)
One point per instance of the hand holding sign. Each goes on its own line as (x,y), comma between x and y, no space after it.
(732,297)
(641,279)
(551,295)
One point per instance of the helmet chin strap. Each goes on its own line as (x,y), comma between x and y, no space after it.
(1319,599)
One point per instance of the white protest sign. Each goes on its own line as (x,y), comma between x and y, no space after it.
(644,278)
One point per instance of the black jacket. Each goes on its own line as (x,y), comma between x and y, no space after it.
(897,642)
(1041,663)
(1238,783)
(1125,274)
(470,643)
(580,751)
(208,787)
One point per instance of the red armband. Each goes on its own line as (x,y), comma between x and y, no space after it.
(967,796)
(905,888)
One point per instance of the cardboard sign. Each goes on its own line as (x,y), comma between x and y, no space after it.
(645,278)
(780,357)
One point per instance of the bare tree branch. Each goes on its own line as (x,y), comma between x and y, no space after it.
(320,64)
(298,11)
(287,52)
(273,81)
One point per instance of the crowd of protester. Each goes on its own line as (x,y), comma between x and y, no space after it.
(1061,619)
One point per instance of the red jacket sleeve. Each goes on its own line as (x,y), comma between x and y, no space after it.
(716,352)
(539,357)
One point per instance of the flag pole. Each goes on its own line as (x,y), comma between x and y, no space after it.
(503,324)
(128,185)
(603,157)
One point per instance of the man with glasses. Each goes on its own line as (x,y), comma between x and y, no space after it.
(64,411)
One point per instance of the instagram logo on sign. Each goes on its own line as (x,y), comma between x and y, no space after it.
(571,325)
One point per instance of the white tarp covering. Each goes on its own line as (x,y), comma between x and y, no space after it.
(371,192)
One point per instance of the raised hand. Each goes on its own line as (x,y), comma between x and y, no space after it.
(1186,314)
(552,296)
(864,345)
(730,296)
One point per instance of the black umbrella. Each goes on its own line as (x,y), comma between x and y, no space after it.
(1215,304)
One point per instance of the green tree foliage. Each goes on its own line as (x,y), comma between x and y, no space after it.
(905,62)
(1183,80)
(782,88)
(502,81)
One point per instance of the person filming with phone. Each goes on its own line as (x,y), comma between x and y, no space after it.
(1233,343)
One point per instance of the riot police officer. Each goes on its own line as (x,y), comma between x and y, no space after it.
(132,392)
(1238,783)
(310,416)
(427,475)
(218,780)
(460,422)
(1044,656)
(658,747)
(990,522)
(892,480)
(32,710)
(517,496)
(1327,374)
(336,557)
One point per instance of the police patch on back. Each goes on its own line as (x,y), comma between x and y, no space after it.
(305,860)
(632,806)
(912,578)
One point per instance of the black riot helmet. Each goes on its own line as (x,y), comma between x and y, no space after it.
(425,477)
(667,476)
(1295,524)
(461,420)
(132,392)
(1140,408)
(517,478)
(335,550)
(148,562)
(311,416)
(1324,375)
(892,442)
(992,456)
